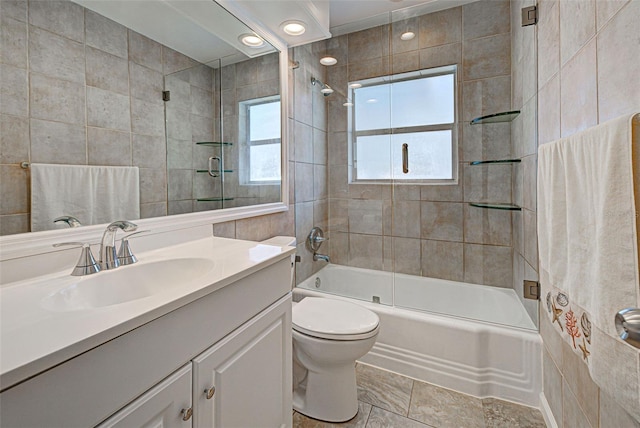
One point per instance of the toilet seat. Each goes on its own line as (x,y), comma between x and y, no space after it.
(333,319)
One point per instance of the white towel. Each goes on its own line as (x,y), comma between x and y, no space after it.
(92,194)
(588,244)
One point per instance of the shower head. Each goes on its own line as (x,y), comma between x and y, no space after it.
(324,88)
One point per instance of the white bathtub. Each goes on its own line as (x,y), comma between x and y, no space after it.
(473,339)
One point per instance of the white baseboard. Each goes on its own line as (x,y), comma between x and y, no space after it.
(547,414)
(481,382)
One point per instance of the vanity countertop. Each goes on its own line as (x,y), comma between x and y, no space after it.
(34,337)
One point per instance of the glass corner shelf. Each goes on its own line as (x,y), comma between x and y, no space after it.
(497,161)
(506,116)
(507,207)
(215,199)
(214,143)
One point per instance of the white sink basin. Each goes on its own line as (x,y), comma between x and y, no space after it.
(126,283)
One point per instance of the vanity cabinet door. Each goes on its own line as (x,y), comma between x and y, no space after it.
(166,405)
(245,379)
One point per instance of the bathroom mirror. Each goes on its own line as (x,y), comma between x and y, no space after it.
(184,91)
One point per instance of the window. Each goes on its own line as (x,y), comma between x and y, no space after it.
(260,140)
(417,109)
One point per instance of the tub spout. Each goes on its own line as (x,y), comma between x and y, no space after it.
(323,257)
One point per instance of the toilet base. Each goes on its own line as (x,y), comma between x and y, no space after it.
(328,396)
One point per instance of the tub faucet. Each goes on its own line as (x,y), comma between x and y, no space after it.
(108,255)
(323,257)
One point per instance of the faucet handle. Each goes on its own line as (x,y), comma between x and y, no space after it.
(125,256)
(69,219)
(86,263)
(135,233)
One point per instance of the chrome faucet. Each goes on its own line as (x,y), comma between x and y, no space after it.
(108,254)
(69,219)
(323,257)
(314,241)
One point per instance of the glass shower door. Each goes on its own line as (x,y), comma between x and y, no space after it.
(453,255)
(194,151)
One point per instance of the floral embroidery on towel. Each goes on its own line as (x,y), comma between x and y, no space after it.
(572,327)
(573,322)
(562,299)
(586,326)
(585,351)
(557,313)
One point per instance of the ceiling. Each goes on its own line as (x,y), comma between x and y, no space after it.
(349,11)
(326,18)
(352,15)
(200,29)
(205,31)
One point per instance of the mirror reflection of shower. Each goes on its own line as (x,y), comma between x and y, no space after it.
(324,88)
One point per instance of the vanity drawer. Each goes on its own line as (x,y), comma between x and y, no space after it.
(87,389)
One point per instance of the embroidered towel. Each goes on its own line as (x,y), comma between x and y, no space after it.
(92,194)
(588,243)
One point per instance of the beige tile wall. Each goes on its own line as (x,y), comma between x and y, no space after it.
(308,155)
(587,74)
(429,230)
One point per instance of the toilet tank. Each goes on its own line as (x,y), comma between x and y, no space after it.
(284,241)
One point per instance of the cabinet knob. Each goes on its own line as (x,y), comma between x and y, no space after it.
(209,392)
(186,414)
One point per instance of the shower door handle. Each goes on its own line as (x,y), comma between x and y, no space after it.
(405,158)
(211,172)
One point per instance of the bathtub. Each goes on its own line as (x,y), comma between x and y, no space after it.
(474,339)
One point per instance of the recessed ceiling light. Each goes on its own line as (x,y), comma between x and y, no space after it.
(328,60)
(355,85)
(408,35)
(251,40)
(371,101)
(293,27)
(347,104)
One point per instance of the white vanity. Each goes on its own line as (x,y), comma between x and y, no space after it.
(202,339)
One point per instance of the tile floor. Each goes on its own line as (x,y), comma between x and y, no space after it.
(388,399)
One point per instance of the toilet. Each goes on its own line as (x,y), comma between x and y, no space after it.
(329,335)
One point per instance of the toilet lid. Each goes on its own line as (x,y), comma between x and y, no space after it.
(333,319)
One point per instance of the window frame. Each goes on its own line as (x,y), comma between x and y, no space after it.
(395,78)
(247,143)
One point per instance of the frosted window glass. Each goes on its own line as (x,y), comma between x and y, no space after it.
(417,102)
(373,155)
(386,112)
(426,101)
(264,121)
(379,157)
(265,162)
(372,107)
(429,155)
